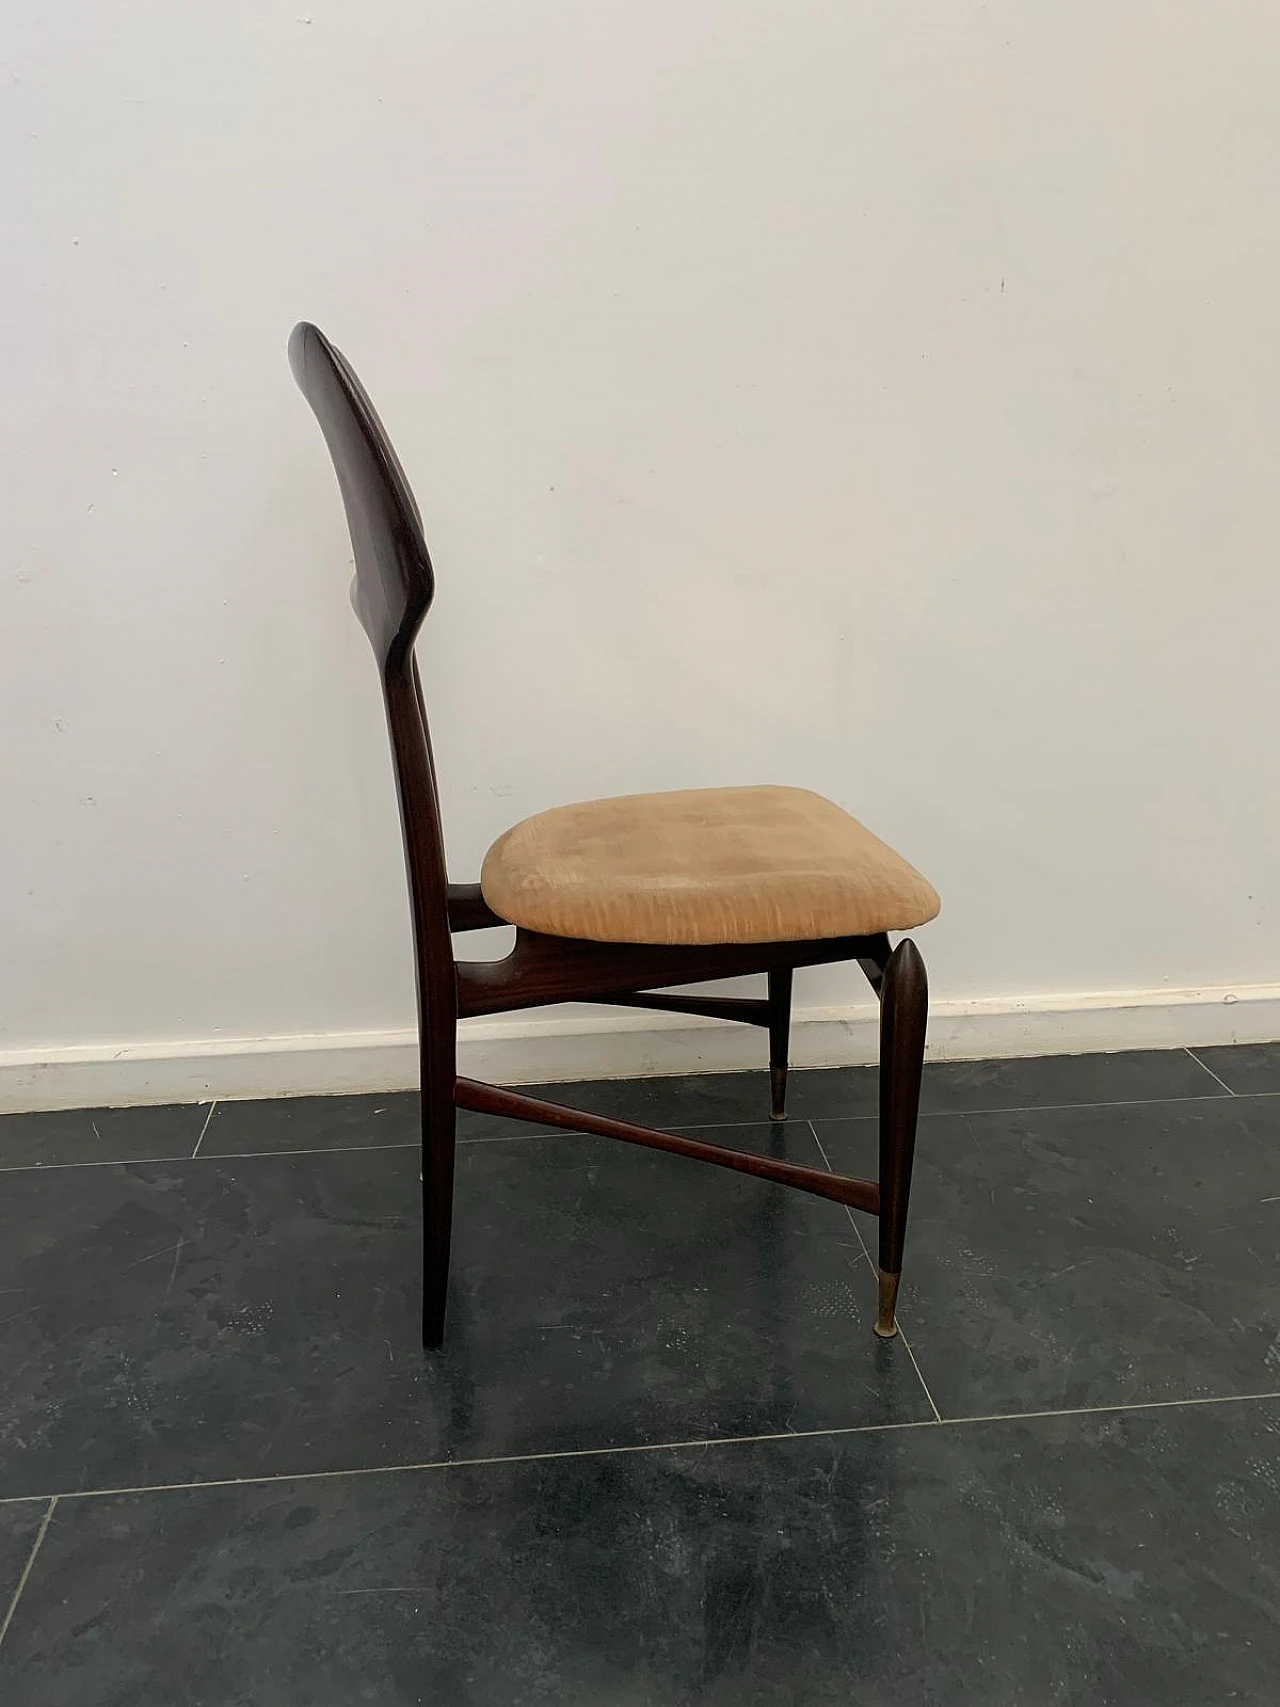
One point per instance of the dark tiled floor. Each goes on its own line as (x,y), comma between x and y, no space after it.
(959,1087)
(311,1123)
(336,1123)
(1121,1558)
(1246,1068)
(258,1317)
(1090,1256)
(100,1135)
(19,1526)
(244,1319)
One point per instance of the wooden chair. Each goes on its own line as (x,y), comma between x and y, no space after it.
(616,900)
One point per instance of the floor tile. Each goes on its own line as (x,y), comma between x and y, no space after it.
(958,1087)
(1090,1256)
(688,1099)
(832,1093)
(100,1135)
(347,1122)
(19,1526)
(312,1123)
(1114,1561)
(233,1317)
(1245,1067)
(344,1122)
(336,1123)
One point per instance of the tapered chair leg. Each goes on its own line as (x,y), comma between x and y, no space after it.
(779,1041)
(904,1012)
(439,1120)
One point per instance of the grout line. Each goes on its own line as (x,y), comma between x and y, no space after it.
(857,1232)
(123,1162)
(1058,1107)
(22,1580)
(323,1150)
(478,1463)
(933,1403)
(1113,1410)
(1208,1069)
(208,1117)
(326,1149)
(205,1156)
(813,1121)
(826,1162)
(651,1446)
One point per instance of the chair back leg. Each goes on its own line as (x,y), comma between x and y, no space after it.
(904,1012)
(439,1119)
(779,1040)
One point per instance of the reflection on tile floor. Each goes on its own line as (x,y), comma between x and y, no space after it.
(226,1297)
(259,1317)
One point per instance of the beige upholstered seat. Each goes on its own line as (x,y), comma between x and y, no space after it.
(711,865)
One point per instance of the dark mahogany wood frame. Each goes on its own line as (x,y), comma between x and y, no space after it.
(392,592)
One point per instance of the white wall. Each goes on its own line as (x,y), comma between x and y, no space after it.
(880,398)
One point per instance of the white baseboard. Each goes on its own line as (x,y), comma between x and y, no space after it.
(587,1043)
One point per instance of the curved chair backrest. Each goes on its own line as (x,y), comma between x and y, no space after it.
(394,583)
(392,592)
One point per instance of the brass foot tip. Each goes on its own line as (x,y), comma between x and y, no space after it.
(886,1306)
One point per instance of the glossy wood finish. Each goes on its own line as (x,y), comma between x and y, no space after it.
(904,1013)
(393,590)
(542,969)
(779,1006)
(740,1008)
(874,963)
(493,1099)
(392,593)
(468,911)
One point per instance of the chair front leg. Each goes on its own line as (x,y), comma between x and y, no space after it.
(904,1013)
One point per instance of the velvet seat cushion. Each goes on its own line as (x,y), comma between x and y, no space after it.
(711,865)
